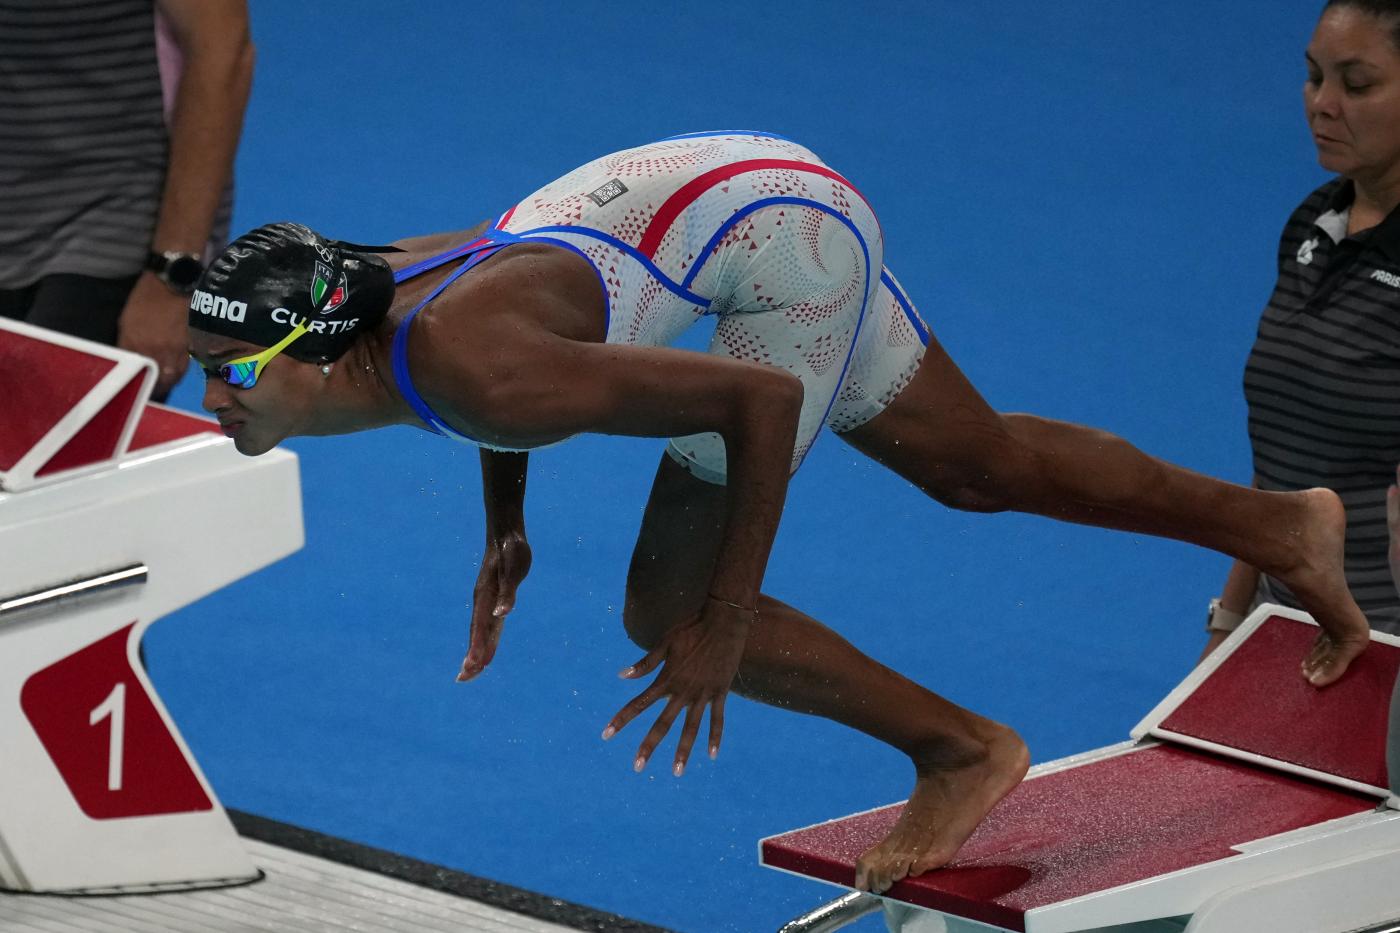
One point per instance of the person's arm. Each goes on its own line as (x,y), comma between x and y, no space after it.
(560,387)
(204,129)
(542,387)
(1235,599)
(506,558)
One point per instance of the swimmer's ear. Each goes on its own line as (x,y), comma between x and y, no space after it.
(361,248)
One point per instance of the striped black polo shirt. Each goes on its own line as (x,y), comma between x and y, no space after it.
(1323,382)
(82,137)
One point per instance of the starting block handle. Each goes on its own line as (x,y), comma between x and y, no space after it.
(835,915)
(52,598)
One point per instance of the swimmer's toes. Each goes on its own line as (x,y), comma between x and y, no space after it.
(928,861)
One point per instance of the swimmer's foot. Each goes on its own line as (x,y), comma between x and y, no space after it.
(955,789)
(1315,573)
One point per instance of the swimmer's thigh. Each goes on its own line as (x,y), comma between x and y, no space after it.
(796,302)
(907,405)
(674,559)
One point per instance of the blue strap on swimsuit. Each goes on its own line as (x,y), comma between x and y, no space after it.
(471,254)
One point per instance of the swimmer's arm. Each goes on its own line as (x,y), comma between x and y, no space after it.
(539,385)
(568,387)
(663,393)
(505,559)
(503,485)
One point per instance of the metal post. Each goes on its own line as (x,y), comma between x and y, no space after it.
(837,914)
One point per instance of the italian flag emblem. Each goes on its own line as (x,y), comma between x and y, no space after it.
(321,282)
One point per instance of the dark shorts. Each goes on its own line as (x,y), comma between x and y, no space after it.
(71,304)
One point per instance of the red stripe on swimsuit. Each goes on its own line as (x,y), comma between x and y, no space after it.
(691,191)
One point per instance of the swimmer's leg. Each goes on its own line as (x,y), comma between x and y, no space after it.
(939,434)
(963,762)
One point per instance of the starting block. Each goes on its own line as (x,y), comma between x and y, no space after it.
(113,513)
(1247,800)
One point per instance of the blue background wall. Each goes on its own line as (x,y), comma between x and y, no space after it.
(1084,200)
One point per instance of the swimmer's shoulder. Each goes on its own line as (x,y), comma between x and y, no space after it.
(527,287)
(417,248)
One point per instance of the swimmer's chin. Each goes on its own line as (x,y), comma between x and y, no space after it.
(249,447)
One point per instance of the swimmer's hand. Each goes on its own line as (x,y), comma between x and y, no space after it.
(504,565)
(698,662)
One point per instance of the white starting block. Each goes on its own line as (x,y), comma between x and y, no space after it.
(1246,801)
(113,513)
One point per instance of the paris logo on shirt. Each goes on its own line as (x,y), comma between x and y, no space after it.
(1305,252)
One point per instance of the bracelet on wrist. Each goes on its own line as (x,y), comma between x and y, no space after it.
(726,602)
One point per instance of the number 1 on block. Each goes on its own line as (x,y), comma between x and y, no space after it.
(115,707)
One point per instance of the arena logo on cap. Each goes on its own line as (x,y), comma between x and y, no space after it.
(218,306)
(320,281)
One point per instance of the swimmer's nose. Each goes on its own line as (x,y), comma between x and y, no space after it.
(218,396)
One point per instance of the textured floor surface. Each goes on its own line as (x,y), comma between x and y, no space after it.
(300,893)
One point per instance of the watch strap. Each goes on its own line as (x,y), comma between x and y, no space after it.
(1220,619)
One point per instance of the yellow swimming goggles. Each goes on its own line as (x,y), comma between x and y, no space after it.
(243,372)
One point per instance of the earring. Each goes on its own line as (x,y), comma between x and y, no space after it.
(326,369)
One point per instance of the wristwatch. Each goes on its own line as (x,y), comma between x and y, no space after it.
(179,271)
(1220,619)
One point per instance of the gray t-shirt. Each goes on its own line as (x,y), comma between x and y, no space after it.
(1323,383)
(83,143)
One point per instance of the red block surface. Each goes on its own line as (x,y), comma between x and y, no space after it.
(39,383)
(1086,829)
(1256,701)
(97,440)
(160,425)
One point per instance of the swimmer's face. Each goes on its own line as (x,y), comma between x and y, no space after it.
(1352,93)
(279,406)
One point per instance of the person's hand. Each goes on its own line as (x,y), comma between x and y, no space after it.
(698,659)
(153,324)
(503,567)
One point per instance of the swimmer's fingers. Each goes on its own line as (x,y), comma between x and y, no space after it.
(657,732)
(487,620)
(693,714)
(716,724)
(632,710)
(485,636)
(647,664)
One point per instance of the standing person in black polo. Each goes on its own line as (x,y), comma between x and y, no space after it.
(1323,379)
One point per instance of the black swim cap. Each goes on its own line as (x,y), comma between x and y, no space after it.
(273,278)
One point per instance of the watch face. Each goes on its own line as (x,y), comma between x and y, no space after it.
(184,271)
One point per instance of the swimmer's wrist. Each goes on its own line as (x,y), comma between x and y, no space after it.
(732,605)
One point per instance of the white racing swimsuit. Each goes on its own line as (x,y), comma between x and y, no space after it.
(749,227)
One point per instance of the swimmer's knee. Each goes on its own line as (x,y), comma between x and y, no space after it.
(645,625)
(640,627)
(971,494)
(647,614)
(983,477)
